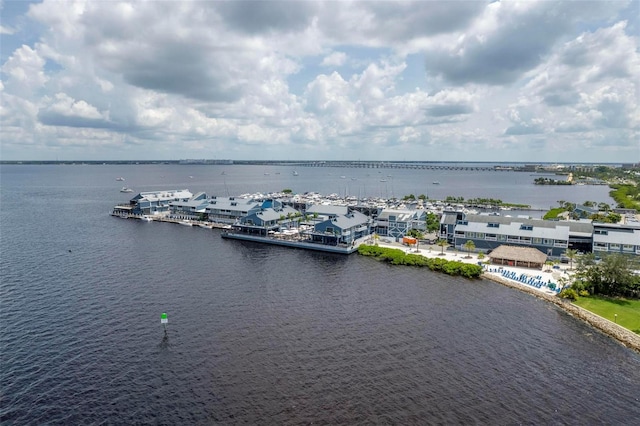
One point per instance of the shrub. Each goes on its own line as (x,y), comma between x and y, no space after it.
(569,293)
(583,293)
(399,257)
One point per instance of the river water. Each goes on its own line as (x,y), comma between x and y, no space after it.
(269,335)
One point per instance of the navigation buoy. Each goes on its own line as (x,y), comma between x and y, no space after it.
(164,321)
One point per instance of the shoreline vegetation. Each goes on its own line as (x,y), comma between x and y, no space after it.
(399,257)
(396,256)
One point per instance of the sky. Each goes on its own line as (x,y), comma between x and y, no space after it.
(548,81)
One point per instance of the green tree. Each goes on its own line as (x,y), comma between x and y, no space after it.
(571,255)
(433,222)
(612,276)
(604,207)
(442,243)
(415,233)
(469,245)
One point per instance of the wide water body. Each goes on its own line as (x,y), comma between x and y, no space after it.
(268,335)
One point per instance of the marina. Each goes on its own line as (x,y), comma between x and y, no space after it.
(339,223)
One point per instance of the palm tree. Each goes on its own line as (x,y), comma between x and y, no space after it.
(571,254)
(442,243)
(469,245)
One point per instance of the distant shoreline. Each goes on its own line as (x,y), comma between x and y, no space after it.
(229,162)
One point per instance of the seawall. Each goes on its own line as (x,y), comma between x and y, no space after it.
(621,334)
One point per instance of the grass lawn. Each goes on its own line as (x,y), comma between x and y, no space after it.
(628,310)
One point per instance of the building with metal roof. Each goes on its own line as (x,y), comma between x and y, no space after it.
(491,231)
(230,209)
(616,238)
(326,211)
(155,202)
(397,223)
(264,220)
(341,229)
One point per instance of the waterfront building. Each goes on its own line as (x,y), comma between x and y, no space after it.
(448,222)
(225,210)
(341,229)
(396,223)
(229,210)
(270,218)
(491,231)
(616,238)
(192,208)
(152,202)
(326,211)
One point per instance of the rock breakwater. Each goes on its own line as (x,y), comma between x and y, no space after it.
(621,334)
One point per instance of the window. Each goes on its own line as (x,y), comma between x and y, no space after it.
(463,222)
(627,247)
(526,227)
(614,246)
(600,232)
(537,240)
(493,225)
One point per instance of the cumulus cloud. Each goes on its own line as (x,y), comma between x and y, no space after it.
(63,110)
(25,69)
(335,59)
(509,39)
(6,30)
(197,77)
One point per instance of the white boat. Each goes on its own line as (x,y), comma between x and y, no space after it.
(121,179)
(125,189)
(435,182)
(185,223)
(146,219)
(295,173)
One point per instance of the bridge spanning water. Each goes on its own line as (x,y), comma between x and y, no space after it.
(410,165)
